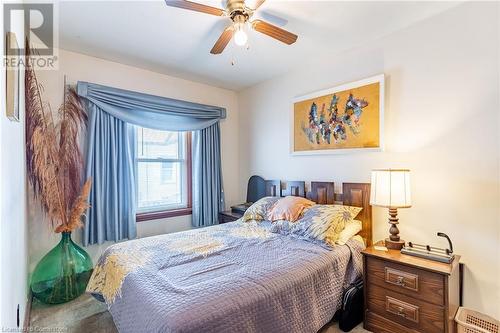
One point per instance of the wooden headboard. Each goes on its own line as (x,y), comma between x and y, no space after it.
(353,194)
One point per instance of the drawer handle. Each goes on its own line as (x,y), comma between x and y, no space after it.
(400,281)
(402,309)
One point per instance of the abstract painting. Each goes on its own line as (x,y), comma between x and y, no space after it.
(339,119)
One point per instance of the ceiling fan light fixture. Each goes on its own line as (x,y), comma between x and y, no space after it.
(240,36)
(240,14)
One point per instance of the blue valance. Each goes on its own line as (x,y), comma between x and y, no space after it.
(151,111)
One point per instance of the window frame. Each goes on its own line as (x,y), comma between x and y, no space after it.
(188,210)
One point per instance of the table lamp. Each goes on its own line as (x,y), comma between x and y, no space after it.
(391,188)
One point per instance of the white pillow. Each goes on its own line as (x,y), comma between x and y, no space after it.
(350,230)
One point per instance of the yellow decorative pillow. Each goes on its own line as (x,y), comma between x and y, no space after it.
(258,211)
(342,215)
(319,224)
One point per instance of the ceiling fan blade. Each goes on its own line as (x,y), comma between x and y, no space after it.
(197,7)
(223,40)
(274,32)
(256,4)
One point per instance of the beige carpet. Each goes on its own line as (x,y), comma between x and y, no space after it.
(85,315)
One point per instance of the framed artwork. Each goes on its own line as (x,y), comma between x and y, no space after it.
(12,77)
(342,119)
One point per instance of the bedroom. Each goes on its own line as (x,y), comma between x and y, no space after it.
(437,67)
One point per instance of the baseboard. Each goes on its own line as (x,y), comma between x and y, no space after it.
(27,312)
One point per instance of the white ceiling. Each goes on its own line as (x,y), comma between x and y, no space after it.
(177,42)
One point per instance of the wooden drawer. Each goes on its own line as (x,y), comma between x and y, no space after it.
(406,311)
(424,285)
(376,323)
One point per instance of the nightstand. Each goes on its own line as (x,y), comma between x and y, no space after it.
(228,216)
(406,294)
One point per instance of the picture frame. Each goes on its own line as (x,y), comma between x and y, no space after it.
(12,80)
(353,121)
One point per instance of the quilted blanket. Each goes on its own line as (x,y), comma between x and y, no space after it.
(235,277)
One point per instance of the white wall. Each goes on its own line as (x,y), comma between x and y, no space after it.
(78,67)
(442,105)
(13,221)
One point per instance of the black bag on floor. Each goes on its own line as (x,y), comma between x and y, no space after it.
(352,307)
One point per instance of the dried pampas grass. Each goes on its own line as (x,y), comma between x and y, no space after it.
(54,160)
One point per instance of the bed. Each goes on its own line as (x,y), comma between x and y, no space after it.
(235,277)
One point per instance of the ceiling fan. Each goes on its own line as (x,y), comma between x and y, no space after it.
(240,14)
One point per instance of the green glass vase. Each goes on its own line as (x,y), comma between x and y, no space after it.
(63,274)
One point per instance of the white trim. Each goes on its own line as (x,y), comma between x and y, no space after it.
(374,79)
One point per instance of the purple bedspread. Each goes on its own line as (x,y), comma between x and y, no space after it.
(235,277)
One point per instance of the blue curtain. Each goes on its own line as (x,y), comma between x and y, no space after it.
(111,154)
(208,194)
(110,165)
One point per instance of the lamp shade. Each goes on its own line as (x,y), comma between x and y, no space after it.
(390,188)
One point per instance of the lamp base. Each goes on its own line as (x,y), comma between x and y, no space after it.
(394,245)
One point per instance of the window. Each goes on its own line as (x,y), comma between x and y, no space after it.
(167,173)
(163,174)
